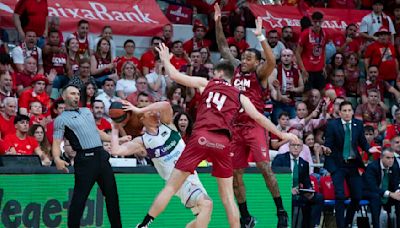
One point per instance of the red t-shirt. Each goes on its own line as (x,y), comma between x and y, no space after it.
(122,59)
(339,91)
(29,96)
(354,46)
(36,12)
(36,119)
(56,61)
(313,54)
(342,4)
(25,146)
(49,131)
(21,78)
(242,45)
(220,103)
(7,126)
(386,63)
(178,62)
(103,124)
(392,130)
(191,45)
(148,60)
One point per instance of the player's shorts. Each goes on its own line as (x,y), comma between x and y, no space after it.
(207,144)
(248,140)
(190,192)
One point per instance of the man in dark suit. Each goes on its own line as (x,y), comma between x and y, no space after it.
(342,138)
(301,180)
(381,185)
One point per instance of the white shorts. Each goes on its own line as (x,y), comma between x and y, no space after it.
(190,192)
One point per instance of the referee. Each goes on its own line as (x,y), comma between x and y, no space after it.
(91,162)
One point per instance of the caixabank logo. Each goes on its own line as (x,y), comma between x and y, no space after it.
(48,213)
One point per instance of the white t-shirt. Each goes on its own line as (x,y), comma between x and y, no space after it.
(127,86)
(161,94)
(19,56)
(370,25)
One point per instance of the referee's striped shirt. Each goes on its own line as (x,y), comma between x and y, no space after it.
(79,127)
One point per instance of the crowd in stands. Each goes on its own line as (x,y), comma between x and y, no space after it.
(314,74)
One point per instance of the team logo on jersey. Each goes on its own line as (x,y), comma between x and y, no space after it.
(204,142)
(242,84)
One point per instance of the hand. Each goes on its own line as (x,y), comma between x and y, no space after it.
(114,76)
(395,195)
(61,165)
(52,75)
(348,39)
(217,12)
(46,161)
(163,52)
(290,137)
(285,99)
(375,149)
(127,106)
(258,30)
(124,139)
(295,191)
(305,75)
(326,150)
(276,84)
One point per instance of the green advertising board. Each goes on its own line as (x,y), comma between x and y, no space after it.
(41,200)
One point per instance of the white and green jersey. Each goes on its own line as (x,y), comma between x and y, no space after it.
(164,149)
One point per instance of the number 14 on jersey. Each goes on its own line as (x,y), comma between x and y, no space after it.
(217,99)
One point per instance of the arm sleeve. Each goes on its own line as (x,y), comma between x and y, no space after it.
(20,7)
(58,129)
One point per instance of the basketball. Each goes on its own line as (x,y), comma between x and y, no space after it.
(117,112)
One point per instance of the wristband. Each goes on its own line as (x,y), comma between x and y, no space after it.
(261,38)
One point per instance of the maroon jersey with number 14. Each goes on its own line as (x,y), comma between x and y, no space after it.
(218,107)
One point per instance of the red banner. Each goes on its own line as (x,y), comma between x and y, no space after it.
(126,17)
(276,17)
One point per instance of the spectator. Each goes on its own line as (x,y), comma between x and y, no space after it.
(147,61)
(312,203)
(310,53)
(36,114)
(313,99)
(352,75)
(305,122)
(85,42)
(276,45)
(54,24)
(393,129)
(143,99)
(395,145)
(195,67)
(198,41)
(179,57)
(396,11)
(382,53)
(349,42)
(141,87)
(38,132)
(315,148)
(101,65)
(6,86)
(288,38)
(72,47)
(31,16)
(68,154)
(27,48)
(334,110)
(21,143)
(158,82)
(129,47)
(98,113)
(5,63)
(127,84)
(57,108)
(88,95)
(24,79)
(235,51)
(283,126)
(167,35)
(4,40)
(239,39)
(336,87)
(337,62)
(372,82)
(371,113)
(7,117)
(285,83)
(370,135)
(36,93)
(176,96)
(205,56)
(107,34)
(376,20)
(381,186)
(184,124)
(55,58)
(83,77)
(108,95)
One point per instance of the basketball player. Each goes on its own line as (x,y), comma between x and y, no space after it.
(219,104)
(163,144)
(248,136)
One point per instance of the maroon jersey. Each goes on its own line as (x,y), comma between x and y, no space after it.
(251,87)
(83,46)
(219,105)
(55,61)
(291,81)
(74,64)
(101,62)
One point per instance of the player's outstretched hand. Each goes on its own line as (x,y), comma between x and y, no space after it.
(217,12)
(127,106)
(163,52)
(290,137)
(258,30)
(61,165)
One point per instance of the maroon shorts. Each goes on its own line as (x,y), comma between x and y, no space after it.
(248,140)
(205,144)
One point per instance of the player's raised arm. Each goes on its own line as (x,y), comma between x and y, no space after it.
(223,46)
(163,107)
(189,81)
(134,147)
(268,66)
(251,110)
